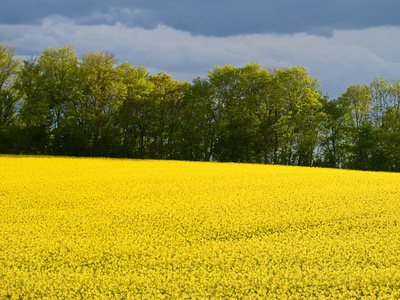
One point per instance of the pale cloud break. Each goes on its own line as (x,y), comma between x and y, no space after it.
(342,58)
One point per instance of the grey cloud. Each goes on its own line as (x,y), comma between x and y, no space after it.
(213,17)
(132,17)
(346,57)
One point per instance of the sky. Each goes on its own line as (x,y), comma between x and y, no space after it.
(340,42)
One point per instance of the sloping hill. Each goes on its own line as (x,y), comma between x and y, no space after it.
(125,229)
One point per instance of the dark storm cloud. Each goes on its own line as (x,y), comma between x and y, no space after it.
(341,42)
(213,17)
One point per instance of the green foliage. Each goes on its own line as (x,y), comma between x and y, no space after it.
(301,107)
(62,105)
(197,130)
(336,132)
(101,96)
(9,66)
(237,123)
(166,105)
(133,112)
(9,70)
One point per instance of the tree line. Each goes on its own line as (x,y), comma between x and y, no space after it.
(58,104)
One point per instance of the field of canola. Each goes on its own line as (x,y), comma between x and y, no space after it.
(74,228)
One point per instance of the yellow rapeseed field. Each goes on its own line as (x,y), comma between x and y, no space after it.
(75,228)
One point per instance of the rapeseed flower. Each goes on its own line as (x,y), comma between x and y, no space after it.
(143,229)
